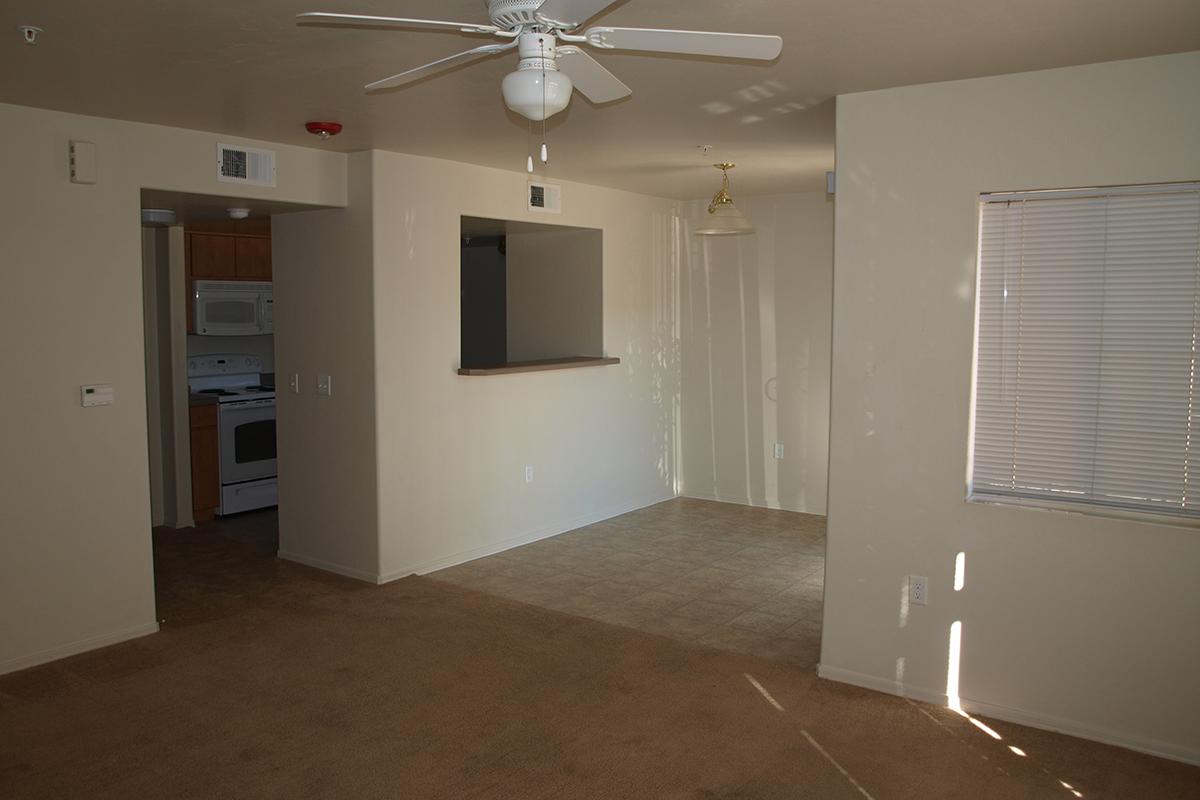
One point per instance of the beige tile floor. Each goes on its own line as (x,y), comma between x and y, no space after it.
(733,577)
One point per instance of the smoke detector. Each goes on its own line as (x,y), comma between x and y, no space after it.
(238,213)
(323,130)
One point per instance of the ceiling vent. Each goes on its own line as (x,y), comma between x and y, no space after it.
(544,197)
(247,165)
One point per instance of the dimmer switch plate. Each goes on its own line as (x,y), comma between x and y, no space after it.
(324,385)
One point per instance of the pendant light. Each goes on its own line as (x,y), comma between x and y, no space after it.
(724,218)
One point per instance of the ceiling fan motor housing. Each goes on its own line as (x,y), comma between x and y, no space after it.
(512,14)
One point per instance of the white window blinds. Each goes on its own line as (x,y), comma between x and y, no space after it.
(1086,384)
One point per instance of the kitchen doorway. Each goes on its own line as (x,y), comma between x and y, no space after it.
(208,298)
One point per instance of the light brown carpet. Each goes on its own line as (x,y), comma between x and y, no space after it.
(270,680)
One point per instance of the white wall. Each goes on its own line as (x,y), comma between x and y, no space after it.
(555,294)
(75,559)
(323,288)
(755,354)
(452,449)
(1083,623)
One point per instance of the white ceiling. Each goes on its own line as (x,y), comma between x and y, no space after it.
(245,68)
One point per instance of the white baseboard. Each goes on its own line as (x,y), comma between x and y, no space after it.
(742,500)
(529,537)
(1033,719)
(329,566)
(77,647)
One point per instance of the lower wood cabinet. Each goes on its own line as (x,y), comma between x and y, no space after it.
(206,465)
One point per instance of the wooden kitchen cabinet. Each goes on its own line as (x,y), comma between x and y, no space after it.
(206,465)
(252,258)
(213,257)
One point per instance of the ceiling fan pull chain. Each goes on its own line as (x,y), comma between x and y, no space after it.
(545,151)
(529,149)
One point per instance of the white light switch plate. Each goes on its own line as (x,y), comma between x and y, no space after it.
(294,383)
(324,385)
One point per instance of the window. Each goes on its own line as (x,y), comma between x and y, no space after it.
(1086,374)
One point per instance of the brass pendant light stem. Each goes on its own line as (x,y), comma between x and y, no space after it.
(722,198)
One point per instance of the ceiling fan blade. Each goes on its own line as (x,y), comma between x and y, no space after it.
(590,77)
(696,43)
(323,18)
(570,13)
(437,66)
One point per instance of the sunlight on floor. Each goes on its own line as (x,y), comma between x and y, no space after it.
(953,667)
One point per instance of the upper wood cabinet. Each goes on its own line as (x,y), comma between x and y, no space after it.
(213,256)
(217,256)
(252,258)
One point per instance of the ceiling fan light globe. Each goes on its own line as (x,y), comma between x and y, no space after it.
(523,93)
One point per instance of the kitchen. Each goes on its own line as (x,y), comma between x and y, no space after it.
(212,283)
(231,392)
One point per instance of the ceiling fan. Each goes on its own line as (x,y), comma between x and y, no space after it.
(552,60)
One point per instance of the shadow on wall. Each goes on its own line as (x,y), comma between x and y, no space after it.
(755,333)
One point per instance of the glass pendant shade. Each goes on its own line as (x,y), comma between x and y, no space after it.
(725,220)
(723,217)
(523,92)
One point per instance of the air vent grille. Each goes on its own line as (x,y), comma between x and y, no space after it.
(545,197)
(248,165)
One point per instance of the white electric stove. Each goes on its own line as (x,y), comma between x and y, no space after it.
(245,428)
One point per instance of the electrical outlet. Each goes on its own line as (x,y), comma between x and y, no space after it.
(529,473)
(918,590)
(779,449)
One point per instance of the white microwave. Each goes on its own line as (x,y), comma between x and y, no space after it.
(232,308)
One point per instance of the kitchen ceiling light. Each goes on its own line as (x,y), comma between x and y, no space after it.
(158,217)
(724,218)
(238,213)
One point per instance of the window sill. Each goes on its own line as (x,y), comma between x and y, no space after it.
(1083,509)
(540,366)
